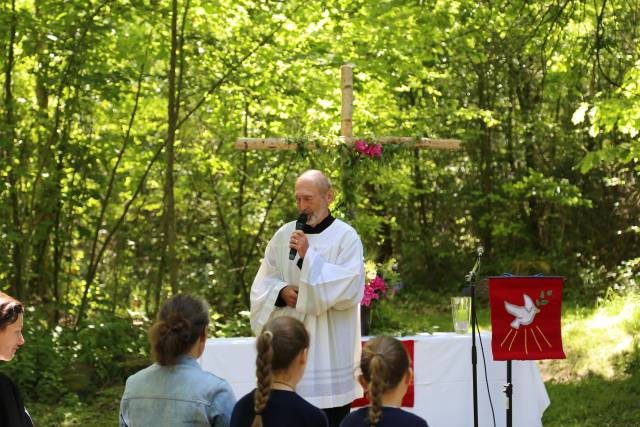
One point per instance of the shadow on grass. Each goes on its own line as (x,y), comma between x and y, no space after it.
(594,401)
(101,410)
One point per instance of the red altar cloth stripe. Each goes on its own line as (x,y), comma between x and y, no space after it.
(407,400)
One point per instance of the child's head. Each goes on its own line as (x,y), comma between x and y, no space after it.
(182,321)
(282,340)
(384,364)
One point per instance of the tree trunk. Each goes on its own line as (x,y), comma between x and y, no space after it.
(528,98)
(420,201)
(169,218)
(10,124)
(486,165)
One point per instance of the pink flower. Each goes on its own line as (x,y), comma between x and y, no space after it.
(375,150)
(367,297)
(366,149)
(379,285)
(373,290)
(366,301)
(361,146)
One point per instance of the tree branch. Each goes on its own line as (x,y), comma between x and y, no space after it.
(235,66)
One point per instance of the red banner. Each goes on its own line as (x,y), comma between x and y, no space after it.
(525,318)
(407,400)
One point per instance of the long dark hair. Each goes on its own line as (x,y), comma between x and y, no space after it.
(181,321)
(384,363)
(281,340)
(10,309)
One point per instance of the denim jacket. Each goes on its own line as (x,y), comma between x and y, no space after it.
(176,395)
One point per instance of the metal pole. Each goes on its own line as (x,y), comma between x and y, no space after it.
(508,390)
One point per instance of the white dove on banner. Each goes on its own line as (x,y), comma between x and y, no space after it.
(524,315)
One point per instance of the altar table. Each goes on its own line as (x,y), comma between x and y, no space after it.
(442,379)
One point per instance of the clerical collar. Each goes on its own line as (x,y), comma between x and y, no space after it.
(320,227)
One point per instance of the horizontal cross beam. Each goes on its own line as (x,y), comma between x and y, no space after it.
(245,144)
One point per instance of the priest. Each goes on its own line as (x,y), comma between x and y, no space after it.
(322,286)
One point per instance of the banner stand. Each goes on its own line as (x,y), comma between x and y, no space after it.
(508,390)
(526,322)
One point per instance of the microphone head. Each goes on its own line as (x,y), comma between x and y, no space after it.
(303,217)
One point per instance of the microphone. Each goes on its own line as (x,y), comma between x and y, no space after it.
(472,274)
(302,220)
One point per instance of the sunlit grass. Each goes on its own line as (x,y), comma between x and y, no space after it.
(595,338)
(594,401)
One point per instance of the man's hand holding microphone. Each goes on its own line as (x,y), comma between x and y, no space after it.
(299,243)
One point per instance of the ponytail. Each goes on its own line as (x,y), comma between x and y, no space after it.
(384,363)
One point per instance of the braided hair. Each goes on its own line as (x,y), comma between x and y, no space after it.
(181,321)
(384,363)
(280,342)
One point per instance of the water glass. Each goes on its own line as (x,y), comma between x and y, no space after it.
(461,314)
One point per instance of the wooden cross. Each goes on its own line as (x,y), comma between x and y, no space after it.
(346,80)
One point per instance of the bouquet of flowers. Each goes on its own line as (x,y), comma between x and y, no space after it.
(375,287)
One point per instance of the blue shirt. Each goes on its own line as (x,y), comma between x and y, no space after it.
(284,409)
(390,417)
(176,395)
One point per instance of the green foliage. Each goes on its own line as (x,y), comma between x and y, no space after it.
(105,343)
(57,361)
(235,326)
(43,349)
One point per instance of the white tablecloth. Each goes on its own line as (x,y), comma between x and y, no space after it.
(443,379)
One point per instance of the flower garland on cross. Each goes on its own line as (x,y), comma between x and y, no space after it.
(371,150)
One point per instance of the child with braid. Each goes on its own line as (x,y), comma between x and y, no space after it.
(282,356)
(386,373)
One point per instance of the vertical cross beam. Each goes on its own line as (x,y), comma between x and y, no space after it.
(346,112)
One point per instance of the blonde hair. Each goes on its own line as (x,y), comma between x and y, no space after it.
(384,363)
(281,340)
